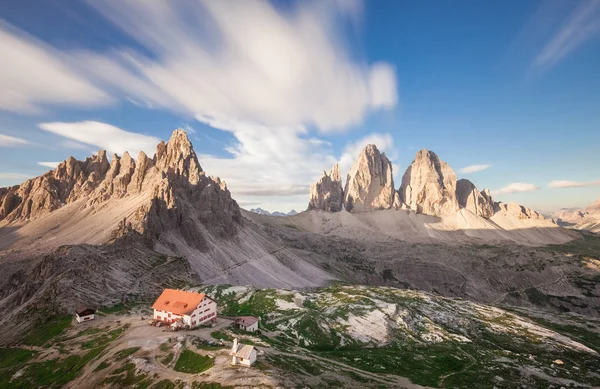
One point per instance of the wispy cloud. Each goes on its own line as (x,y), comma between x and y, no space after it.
(474,168)
(581,25)
(104,136)
(13,176)
(572,184)
(281,161)
(295,71)
(37,75)
(51,165)
(515,187)
(10,141)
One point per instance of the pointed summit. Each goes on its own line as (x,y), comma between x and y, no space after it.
(326,194)
(177,157)
(370,183)
(429,185)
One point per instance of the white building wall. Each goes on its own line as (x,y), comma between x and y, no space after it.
(204,313)
(81,319)
(248,362)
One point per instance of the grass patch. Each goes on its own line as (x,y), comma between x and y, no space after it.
(164,384)
(295,365)
(209,385)
(104,338)
(125,353)
(42,332)
(221,335)
(103,365)
(192,363)
(164,347)
(10,357)
(126,376)
(115,309)
(166,360)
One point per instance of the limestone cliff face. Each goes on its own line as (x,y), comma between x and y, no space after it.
(327,193)
(179,192)
(370,183)
(70,181)
(429,186)
(480,203)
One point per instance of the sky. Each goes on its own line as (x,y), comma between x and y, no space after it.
(273,93)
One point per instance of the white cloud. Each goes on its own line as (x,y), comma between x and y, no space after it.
(104,136)
(582,25)
(515,187)
(210,59)
(266,85)
(572,184)
(473,168)
(37,75)
(9,141)
(51,165)
(267,161)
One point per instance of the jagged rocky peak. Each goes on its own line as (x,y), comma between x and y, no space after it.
(429,185)
(480,203)
(327,193)
(175,165)
(177,157)
(515,210)
(370,183)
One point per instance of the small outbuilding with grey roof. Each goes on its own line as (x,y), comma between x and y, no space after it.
(247,323)
(242,354)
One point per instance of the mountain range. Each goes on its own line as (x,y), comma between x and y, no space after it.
(98,233)
(261,211)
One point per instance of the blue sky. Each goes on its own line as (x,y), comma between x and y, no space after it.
(273,93)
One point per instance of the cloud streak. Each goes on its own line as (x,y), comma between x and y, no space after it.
(10,141)
(104,136)
(582,25)
(515,187)
(51,165)
(38,75)
(474,168)
(572,184)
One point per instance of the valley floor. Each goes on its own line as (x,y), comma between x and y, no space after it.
(340,336)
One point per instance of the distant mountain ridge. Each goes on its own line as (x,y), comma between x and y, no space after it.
(261,211)
(429,186)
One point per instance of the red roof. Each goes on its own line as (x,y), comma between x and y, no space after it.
(178,301)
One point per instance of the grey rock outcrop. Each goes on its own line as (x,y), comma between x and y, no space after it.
(517,211)
(429,185)
(327,193)
(370,183)
(480,203)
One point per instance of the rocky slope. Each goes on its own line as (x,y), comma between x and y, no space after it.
(370,183)
(429,185)
(327,193)
(160,207)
